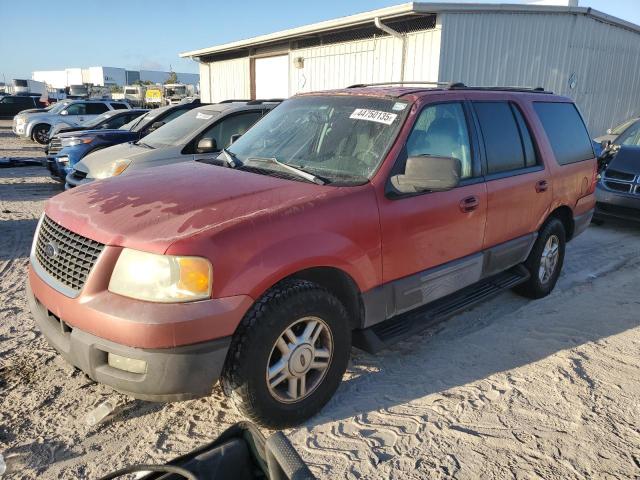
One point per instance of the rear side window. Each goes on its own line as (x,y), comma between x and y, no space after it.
(566,132)
(96,108)
(119,106)
(507,140)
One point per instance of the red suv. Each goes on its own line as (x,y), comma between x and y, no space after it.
(351,217)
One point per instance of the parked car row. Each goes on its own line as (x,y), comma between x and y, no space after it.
(265,251)
(36,125)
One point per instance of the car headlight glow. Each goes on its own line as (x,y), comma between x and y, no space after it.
(114,169)
(20,120)
(70,142)
(161,278)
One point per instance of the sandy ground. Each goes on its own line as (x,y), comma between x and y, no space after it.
(509,389)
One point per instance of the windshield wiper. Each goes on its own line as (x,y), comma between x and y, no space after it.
(301,173)
(142,144)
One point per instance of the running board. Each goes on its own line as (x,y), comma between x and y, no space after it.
(400,327)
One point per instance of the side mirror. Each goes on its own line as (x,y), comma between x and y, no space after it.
(234,137)
(428,173)
(207,145)
(64,112)
(156,125)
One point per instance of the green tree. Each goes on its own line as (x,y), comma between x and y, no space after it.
(173,78)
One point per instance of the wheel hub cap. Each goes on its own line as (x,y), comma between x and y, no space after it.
(549,259)
(299,360)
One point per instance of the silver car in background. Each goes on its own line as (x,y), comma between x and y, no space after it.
(194,135)
(36,125)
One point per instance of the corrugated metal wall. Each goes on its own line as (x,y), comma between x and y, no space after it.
(228,79)
(365,61)
(549,50)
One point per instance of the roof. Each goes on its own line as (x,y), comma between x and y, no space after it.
(403,10)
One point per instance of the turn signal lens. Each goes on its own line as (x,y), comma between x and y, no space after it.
(161,278)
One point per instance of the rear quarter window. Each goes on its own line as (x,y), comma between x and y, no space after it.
(566,132)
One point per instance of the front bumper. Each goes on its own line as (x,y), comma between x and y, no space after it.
(612,204)
(172,374)
(58,170)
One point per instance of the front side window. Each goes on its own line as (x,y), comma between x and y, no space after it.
(566,131)
(77,109)
(341,137)
(235,124)
(441,131)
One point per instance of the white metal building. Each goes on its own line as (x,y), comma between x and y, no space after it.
(106,76)
(579,52)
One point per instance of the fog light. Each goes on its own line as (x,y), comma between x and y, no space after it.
(127,364)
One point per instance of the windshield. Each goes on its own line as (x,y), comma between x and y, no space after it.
(622,127)
(58,107)
(134,123)
(336,137)
(174,132)
(631,136)
(95,121)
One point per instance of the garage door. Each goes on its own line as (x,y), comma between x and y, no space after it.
(272,77)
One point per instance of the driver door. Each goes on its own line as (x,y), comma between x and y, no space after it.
(432,241)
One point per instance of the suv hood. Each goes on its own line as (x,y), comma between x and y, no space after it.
(627,160)
(151,209)
(83,132)
(102,158)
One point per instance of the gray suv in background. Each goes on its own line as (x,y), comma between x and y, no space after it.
(192,136)
(36,125)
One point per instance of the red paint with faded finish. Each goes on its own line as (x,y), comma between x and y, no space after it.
(257,230)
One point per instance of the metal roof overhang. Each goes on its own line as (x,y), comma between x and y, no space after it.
(405,9)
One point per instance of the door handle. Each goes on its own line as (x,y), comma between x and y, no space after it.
(469,204)
(542,186)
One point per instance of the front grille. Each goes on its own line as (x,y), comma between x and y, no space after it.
(55,145)
(66,256)
(618,186)
(617,175)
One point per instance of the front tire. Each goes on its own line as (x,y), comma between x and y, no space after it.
(545,261)
(289,354)
(40,134)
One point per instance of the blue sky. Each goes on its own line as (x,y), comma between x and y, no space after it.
(151,34)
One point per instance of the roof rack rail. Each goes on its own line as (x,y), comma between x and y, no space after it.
(233,100)
(266,100)
(462,86)
(401,82)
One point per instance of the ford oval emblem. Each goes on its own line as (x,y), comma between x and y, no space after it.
(51,250)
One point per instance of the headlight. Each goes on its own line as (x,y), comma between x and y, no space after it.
(161,278)
(70,142)
(114,169)
(20,120)
(64,160)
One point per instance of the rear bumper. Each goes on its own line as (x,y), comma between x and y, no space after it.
(172,374)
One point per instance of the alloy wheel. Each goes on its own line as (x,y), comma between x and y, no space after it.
(299,360)
(549,259)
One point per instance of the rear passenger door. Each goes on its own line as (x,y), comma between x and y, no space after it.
(518,185)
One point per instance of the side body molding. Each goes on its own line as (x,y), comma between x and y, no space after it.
(407,293)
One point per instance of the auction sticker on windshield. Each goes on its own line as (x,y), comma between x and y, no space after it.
(373,116)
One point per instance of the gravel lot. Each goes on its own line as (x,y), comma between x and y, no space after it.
(509,389)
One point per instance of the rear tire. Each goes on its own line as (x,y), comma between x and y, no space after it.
(289,354)
(545,261)
(40,134)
